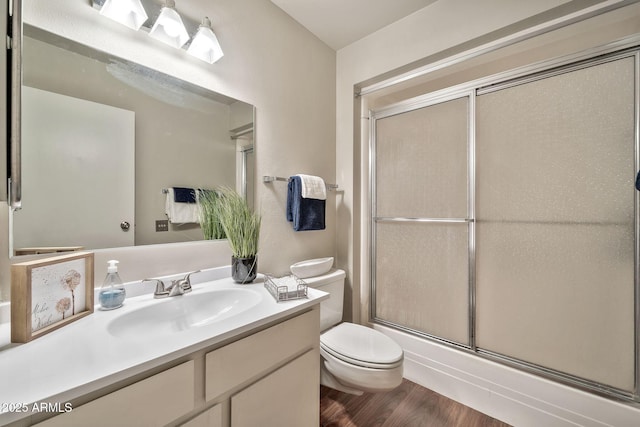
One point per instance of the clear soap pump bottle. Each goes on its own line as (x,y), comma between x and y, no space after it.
(112,292)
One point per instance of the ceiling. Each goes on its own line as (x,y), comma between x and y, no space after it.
(339,23)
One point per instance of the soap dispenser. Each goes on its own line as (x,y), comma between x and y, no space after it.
(112,292)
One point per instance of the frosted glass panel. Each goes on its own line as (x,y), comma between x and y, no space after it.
(559,149)
(422,278)
(555,230)
(560,296)
(421,162)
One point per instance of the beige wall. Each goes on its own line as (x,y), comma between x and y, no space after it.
(271,62)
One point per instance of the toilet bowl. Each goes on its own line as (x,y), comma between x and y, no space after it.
(359,359)
(355,358)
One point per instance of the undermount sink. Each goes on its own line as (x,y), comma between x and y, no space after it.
(182,313)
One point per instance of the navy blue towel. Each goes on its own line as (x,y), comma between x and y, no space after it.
(306,214)
(184,195)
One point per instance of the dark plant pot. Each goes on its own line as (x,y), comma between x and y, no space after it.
(244,270)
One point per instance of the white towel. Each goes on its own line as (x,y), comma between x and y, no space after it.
(180,213)
(313,187)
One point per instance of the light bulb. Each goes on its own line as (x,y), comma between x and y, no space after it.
(127,12)
(172,28)
(169,28)
(205,44)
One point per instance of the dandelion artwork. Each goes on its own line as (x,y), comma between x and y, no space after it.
(50,293)
(58,291)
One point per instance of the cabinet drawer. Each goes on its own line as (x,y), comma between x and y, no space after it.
(154,401)
(249,357)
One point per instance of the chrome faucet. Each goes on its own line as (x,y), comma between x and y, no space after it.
(177,287)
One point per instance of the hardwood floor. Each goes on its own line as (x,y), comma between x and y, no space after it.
(409,405)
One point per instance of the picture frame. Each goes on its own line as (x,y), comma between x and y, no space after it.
(49,293)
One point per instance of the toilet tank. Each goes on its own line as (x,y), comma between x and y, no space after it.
(330,309)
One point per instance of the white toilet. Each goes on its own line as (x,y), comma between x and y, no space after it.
(355,359)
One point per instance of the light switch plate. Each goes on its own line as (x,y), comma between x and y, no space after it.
(162,225)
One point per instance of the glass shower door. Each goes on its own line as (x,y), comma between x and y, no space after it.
(556,221)
(421,226)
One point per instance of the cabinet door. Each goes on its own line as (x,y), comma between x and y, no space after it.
(287,397)
(154,401)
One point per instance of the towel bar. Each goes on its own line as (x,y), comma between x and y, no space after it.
(268,178)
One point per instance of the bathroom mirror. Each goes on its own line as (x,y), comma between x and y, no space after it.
(96,172)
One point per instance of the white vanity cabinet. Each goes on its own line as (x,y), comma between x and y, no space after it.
(266,378)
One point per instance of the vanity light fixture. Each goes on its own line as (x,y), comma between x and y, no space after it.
(205,44)
(169,28)
(127,12)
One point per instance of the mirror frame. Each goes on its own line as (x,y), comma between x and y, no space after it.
(14,188)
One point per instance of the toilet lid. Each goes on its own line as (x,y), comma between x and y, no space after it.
(362,346)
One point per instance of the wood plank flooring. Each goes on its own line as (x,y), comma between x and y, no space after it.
(409,405)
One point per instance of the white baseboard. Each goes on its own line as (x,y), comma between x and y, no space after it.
(510,395)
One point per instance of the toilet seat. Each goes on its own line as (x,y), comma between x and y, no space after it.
(361,346)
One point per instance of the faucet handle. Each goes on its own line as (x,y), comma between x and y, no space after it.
(160,291)
(185,283)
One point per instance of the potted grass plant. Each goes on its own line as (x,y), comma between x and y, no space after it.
(240,225)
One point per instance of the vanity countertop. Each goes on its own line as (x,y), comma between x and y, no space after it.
(84,356)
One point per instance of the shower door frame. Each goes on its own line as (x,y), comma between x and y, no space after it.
(626,48)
